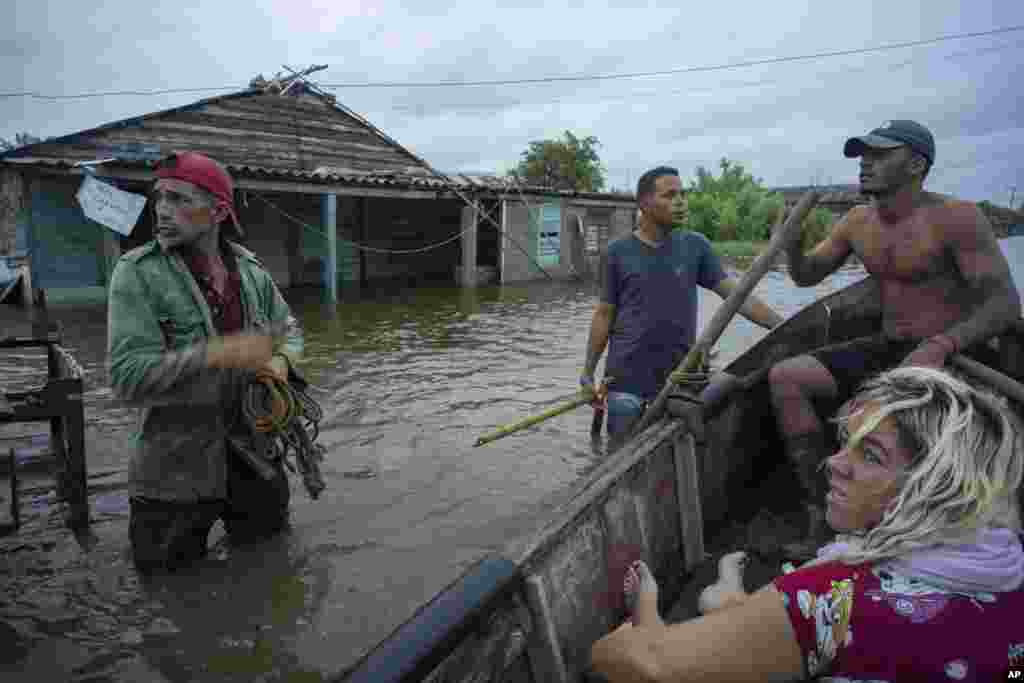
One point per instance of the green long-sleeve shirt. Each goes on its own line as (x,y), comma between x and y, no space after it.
(157,328)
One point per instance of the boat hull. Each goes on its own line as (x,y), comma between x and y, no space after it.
(532,612)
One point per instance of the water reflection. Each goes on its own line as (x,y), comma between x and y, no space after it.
(408,379)
(237,615)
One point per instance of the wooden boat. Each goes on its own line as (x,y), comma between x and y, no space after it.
(11,283)
(532,612)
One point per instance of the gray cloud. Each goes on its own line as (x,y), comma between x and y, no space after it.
(20,47)
(785,122)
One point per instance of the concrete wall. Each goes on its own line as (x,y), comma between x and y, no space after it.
(518,266)
(575,260)
(515,265)
(620,224)
(574,221)
(623,222)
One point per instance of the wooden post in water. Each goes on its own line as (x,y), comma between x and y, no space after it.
(329,221)
(469,219)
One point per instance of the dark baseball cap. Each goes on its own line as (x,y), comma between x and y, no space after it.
(892,134)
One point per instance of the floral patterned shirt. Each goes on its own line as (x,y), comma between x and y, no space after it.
(863,624)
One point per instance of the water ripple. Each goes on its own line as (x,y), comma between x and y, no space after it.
(407,384)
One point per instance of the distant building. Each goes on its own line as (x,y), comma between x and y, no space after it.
(325,197)
(841,198)
(836,198)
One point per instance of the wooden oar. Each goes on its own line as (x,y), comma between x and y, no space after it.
(731,305)
(583,398)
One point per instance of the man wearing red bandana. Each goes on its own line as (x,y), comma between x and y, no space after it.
(192,314)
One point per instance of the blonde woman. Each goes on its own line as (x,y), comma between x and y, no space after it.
(925,581)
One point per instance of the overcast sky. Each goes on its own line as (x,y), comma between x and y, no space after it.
(785,122)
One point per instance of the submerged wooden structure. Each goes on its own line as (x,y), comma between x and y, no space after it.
(532,612)
(58,402)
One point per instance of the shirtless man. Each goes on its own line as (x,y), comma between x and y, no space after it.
(945,288)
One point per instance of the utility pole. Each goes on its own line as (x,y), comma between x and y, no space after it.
(1013,193)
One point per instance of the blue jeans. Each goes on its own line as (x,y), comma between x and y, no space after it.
(623,410)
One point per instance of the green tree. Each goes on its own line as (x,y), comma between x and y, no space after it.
(732,206)
(817,226)
(568,164)
(736,206)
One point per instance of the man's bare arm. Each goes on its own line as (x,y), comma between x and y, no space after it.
(987,274)
(753,309)
(809,269)
(600,329)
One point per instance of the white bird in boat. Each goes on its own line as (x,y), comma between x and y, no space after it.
(729,588)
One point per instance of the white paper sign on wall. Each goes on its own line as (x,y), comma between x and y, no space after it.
(109,206)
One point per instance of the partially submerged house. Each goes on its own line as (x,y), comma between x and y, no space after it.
(326,199)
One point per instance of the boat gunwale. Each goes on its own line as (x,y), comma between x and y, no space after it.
(529,551)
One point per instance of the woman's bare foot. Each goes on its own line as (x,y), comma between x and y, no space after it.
(641,592)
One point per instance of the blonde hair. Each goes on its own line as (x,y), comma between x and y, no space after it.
(966,466)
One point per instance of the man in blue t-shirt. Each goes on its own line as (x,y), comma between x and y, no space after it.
(648,310)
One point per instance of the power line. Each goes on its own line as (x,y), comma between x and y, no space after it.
(552,79)
(683,70)
(642,94)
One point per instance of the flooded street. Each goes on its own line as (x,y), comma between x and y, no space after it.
(407,380)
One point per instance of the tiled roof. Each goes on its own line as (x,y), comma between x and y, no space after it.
(418,179)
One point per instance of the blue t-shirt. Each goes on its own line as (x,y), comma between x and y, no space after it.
(654,293)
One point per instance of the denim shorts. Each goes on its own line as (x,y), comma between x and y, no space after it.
(623,410)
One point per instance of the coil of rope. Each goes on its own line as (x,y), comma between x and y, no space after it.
(288,420)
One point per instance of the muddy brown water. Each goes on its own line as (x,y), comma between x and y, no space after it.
(408,379)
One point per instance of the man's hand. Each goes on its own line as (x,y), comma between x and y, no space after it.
(278,365)
(244,351)
(932,352)
(599,392)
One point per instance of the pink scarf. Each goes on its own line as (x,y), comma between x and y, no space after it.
(992,563)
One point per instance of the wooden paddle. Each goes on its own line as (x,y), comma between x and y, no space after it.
(582,398)
(760,266)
